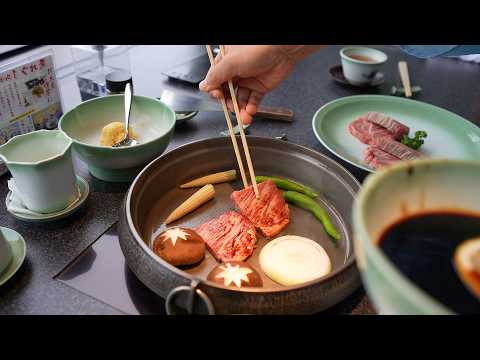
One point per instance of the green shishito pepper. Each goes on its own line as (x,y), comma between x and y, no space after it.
(311,205)
(288,185)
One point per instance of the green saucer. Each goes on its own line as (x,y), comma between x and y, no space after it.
(84,191)
(19,249)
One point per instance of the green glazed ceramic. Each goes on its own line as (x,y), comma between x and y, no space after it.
(449,135)
(360,72)
(41,165)
(388,196)
(19,250)
(84,191)
(150,119)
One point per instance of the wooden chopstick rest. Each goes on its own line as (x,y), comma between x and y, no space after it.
(275,113)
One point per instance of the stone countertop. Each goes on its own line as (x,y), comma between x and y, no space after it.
(448,83)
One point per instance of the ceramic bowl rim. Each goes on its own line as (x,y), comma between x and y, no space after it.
(397,280)
(109,148)
(35,133)
(20,260)
(348,58)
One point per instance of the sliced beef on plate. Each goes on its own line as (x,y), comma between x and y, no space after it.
(366,131)
(397,149)
(377,158)
(229,237)
(270,213)
(396,128)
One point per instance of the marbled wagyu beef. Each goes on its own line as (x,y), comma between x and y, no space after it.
(367,132)
(396,128)
(397,149)
(377,158)
(381,132)
(270,213)
(229,237)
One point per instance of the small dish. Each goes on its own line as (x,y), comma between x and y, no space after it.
(182,116)
(84,191)
(19,250)
(337,74)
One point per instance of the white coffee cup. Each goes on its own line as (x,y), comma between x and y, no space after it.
(5,252)
(361,64)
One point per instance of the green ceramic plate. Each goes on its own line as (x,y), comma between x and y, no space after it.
(449,135)
(84,191)
(19,249)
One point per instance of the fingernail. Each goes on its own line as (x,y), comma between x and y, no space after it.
(203,86)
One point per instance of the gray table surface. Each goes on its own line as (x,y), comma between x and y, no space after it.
(448,83)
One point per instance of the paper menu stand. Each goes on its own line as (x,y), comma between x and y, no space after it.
(29,96)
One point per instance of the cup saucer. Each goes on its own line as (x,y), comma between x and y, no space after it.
(19,250)
(84,191)
(337,74)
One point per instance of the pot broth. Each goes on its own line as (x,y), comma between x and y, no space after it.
(422,248)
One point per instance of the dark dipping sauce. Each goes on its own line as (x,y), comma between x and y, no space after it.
(422,248)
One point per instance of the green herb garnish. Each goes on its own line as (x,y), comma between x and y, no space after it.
(416,141)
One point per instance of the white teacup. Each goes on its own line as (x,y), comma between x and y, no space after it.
(5,252)
(41,165)
(361,64)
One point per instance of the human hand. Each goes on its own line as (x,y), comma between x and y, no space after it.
(255,70)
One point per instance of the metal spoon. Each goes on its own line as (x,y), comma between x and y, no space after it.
(126,141)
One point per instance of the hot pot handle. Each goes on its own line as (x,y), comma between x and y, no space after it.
(193,291)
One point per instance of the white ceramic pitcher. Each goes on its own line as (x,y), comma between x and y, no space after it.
(41,165)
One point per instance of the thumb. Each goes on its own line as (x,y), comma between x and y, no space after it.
(219,74)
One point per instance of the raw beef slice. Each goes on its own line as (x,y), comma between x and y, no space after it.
(229,237)
(270,213)
(396,128)
(377,158)
(366,131)
(397,149)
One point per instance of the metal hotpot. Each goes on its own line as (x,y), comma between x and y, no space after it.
(155,192)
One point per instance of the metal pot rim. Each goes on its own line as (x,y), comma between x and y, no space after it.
(134,233)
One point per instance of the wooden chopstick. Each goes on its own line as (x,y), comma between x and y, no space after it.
(242,133)
(403,69)
(230,127)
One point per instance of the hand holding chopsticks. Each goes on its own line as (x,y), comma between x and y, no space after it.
(230,129)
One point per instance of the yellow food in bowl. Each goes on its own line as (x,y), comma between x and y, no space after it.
(115,132)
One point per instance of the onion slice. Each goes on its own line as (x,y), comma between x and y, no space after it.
(292,260)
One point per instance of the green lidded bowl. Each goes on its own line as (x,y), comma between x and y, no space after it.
(150,119)
(392,194)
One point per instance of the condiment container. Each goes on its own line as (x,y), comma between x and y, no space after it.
(41,165)
(94,62)
(116,81)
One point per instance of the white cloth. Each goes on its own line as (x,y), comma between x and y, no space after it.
(16,204)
